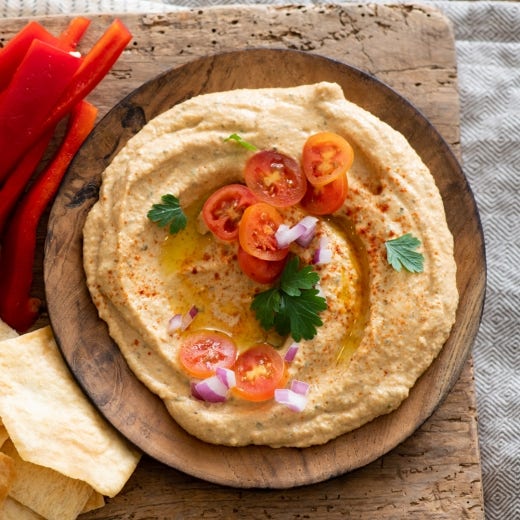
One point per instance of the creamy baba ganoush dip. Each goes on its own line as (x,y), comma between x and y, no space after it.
(379,325)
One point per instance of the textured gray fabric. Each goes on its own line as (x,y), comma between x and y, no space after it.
(488,52)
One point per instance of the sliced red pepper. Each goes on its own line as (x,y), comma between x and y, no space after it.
(70,37)
(17,308)
(15,50)
(13,53)
(94,67)
(34,90)
(15,184)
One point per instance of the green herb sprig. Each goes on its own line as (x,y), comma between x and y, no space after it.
(168,213)
(401,253)
(293,305)
(239,140)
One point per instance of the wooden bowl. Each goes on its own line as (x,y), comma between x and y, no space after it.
(96,361)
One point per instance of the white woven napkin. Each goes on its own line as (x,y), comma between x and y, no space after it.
(488,53)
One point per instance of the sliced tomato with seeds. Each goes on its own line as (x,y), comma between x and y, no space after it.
(324,200)
(275,178)
(259,371)
(257,229)
(325,157)
(261,271)
(223,210)
(202,352)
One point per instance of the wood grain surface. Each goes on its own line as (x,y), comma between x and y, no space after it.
(436,472)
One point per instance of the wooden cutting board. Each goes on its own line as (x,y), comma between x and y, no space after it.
(436,472)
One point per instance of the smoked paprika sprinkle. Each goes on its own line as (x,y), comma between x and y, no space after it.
(248,215)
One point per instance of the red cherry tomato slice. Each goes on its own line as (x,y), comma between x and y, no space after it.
(223,210)
(256,232)
(259,371)
(324,200)
(261,271)
(275,178)
(202,352)
(325,157)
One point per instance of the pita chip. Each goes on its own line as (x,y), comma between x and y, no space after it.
(52,423)
(95,501)
(45,491)
(13,510)
(3,433)
(6,332)
(7,476)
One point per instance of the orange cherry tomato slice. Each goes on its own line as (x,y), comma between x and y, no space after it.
(275,178)
(261,271)
(256,232)
(258,371)
(223,210)
(203,351)
(324,200)
(325,157)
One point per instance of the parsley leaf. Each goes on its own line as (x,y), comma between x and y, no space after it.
(293,305)
(266,305)
(169,212)
(293,279)
(400,252)
(300,315)
(241,142)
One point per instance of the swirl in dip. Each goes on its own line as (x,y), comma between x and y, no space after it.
(381,328)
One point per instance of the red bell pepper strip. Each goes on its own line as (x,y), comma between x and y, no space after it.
(94,67)
(70,37)
(37,85)
(68,40)
(15,50)
(15,184)
(17,308)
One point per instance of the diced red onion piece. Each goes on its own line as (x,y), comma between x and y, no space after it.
(211,389)
(285,235)
(175,323)
(302,232)
(323,255)
(227,376)
(309,223)
(300,387)
(291,352)
(194,392)
(291,399)
(189,316)
(182,321)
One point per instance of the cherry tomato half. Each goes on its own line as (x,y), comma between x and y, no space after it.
(325,157)
(259,371)
(275,178)
(223,210)
(261,271)
(324,200)
(203,351)
(256,232)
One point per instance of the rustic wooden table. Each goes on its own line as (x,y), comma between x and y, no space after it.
(436,472)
